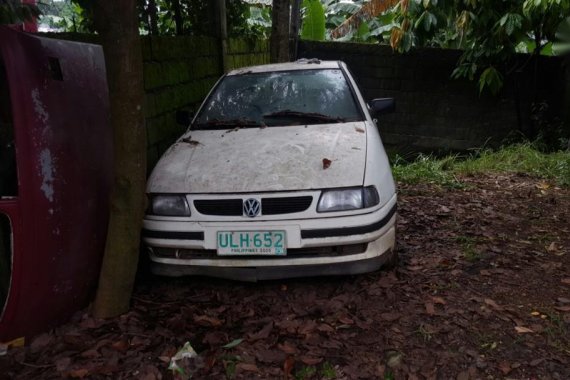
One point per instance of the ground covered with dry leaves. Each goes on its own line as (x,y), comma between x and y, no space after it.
(482,291)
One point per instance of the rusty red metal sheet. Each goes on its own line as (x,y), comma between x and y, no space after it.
(63,143)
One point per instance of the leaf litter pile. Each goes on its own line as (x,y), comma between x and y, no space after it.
(482,291)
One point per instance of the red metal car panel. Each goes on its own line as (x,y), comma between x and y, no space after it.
(63,146)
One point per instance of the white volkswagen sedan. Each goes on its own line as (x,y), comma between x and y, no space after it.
(281,173)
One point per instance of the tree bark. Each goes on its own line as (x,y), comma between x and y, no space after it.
(222,31)
(279,41)
(178,21)
(117,24)
(153,17)
(294,29)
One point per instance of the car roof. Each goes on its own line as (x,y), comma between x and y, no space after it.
(301,64)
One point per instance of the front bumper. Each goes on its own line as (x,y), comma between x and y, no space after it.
(376,229)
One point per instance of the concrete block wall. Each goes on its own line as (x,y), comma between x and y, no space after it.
(178,73)
(245,52)
(433,111)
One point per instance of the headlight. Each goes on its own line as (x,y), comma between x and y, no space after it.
(348,199)
(169,205)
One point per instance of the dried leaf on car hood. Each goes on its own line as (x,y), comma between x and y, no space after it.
(188,140)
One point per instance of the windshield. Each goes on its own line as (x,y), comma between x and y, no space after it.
(283,98)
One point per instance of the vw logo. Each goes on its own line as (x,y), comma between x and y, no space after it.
(251,207)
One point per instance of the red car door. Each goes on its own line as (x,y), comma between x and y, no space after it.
(55,178)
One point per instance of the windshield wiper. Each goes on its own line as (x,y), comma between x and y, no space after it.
(303,115)
(243,123)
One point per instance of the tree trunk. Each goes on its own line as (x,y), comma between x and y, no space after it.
(152,17)
(117,24)
(279,41)
(221,23)
(566,110)
(294,29)
(178,17)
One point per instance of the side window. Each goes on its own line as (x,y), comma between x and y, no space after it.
(8,173)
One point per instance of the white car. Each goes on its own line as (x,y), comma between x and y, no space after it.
(281,173)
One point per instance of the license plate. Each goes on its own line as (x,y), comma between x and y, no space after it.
(251,243)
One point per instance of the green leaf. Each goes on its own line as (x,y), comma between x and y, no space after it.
(562,44)
(313,21)
(491,79)
(363,32)
(420,20)
(547,49)
(347,7)
(233,343)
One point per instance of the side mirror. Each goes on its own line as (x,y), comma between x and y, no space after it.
(184,117)
(382,106)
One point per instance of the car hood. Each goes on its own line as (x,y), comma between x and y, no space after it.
(263,159)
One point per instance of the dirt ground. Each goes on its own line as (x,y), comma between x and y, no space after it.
(482,291)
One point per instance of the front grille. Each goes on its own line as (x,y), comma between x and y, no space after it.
(338,250)
(269,206)
(288,205)
(223,207)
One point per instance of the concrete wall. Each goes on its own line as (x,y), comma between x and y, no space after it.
(435,112)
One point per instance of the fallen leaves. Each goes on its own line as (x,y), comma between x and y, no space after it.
(233,343)
(495,306)
(120,345)
(438,300)
(505,367)
(430,308)
(288,366)
(78,373)
(390,317)
(523,330)
(247,367)
(310,360)
(40,342)
(261,334)
(400,323)
(207,321)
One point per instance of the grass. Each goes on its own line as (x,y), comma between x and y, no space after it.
(305,373)
(519,158)
(327,371)
(424,333)
(469,248)
(557,332)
